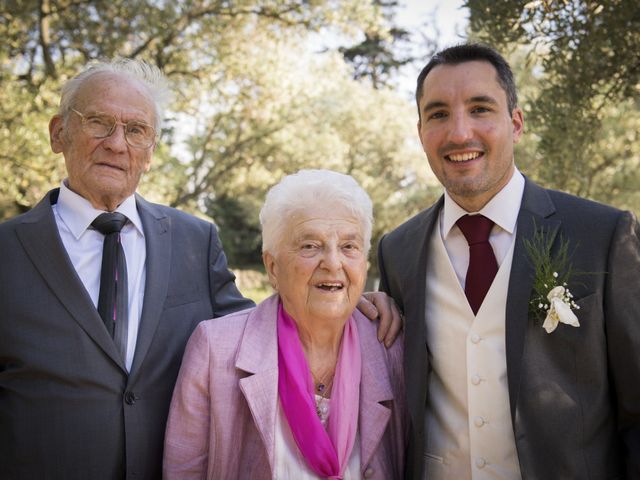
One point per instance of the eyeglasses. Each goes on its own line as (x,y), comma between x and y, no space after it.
(100,125)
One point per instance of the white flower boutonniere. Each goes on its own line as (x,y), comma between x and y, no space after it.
(559,309)
(551,297)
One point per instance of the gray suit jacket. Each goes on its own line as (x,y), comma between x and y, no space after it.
(575,393)
(68,408)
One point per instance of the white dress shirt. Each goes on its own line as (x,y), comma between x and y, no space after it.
(502,209)
(73,215)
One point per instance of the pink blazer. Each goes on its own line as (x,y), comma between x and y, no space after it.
(223,413)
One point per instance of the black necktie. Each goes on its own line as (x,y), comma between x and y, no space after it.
(113,298)
(482,261)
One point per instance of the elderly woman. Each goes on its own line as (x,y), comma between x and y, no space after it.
(298,387)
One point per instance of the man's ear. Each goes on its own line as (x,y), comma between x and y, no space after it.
(56,133)
(517,120)
(418,127)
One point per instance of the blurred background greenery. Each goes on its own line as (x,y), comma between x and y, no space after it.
(266,87)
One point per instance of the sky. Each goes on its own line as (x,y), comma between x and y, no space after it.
(451,17)
(417,16)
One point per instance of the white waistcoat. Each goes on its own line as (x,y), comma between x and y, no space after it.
(468,423)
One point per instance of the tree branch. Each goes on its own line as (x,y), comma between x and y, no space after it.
(45,38)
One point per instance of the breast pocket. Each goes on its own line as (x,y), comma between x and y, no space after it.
(183,297)
(588,305)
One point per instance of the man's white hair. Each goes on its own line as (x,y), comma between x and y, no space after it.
(308,189)
(149,75)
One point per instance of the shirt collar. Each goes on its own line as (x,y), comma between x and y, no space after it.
(502,209)
(77,212)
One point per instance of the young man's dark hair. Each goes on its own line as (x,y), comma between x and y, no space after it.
(469,53)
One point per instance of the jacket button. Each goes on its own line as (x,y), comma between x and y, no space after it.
(368,473)
(130,398)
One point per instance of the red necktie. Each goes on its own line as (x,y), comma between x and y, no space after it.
(482,262)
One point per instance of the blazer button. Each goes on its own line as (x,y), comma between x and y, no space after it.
(130,398)
(368,473)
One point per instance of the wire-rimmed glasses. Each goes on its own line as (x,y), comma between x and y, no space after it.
(101,125)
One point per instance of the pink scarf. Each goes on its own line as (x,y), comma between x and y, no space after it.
(327,452)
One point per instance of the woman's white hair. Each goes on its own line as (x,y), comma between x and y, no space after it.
(307,189)
(150,76)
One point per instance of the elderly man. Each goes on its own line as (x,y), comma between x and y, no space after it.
(514,368)
(88,363)
(100,292)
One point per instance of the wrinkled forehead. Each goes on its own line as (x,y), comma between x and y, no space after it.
(324,212)
(325,216)
(108,90)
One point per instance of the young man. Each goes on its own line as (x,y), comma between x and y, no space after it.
(496,389)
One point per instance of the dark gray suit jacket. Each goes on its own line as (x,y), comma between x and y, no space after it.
(68,408)
(574,393)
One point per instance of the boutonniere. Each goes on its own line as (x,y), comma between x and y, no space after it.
(551,297)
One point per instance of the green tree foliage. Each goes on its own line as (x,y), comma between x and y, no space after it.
(251,103)
(584,60)
(47,41)
(382,53)
(305,111)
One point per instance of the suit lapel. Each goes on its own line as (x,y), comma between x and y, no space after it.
(535,213)
(258,356)
(157,237)
(38,234)
(414,290)
(375,388)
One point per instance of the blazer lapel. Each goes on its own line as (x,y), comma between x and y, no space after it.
(375,388)
(414,290)
(157,235)
(40,238)
(258,356)
(535,213)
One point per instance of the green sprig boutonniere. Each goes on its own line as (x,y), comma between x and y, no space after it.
(551,297)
